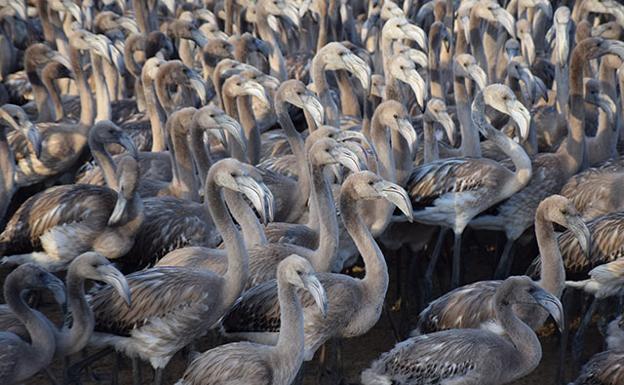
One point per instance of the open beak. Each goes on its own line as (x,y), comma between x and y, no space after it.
(313,107)
(119,210)
(316,290)
(260,197)
(255,89)
(506,20)
(359,68)
(116,279)
(198,85)
(417,84)
(479,76)
(126,142)
(521,116)
(35,139)
(551,304)
(449,126)
(291,13)
(396,195)
(407,131)
(347,158)
(578,227)
(199,38)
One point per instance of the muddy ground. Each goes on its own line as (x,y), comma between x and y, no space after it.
(480,255)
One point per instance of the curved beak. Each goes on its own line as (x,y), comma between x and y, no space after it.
(546,7)
(407,131)
(57,288)
(478,75)
(608,106)
(418,57)
(259,196)
(263,47)
(34,137)
(72,8)
(417,84)
(578,227)
(396,195)
(616,48)
(506,20)
(562,43)
(112,276)
(359,68)
(129,24)
(551,304)
(117,57)
(198,37)
(233,128)
(198,84)
(313,107)
(255,89)
(346,158)
(100,45)
(528,47)
(449,126)
(527,77)
(316,290)
(358,150)
(19,7)
(57,57)
(291,13)
(416,34)
(521,116)
(119,210)
(126,141)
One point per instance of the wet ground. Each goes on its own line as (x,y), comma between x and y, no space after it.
(357,353)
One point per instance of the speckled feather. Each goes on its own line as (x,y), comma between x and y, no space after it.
(606,368)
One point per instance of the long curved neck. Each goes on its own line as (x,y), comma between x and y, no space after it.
(252,134)
(43,102)
(237,272)
(435,41)
(571,152)
(379,212)
(349,102)
(276,59)
(297,147)
(290,342)
(74,339)
(332,115)
(103,106)
(87,111)
(253,231)
(470,143)
(55,98)
(376,279)
(603,145)
(7,172)
(475,39)
(183,181)
(327,249)
(200,153)
(528,348)
(513,150)
(41,335)
(552,274)
(431,144)
(106,163)
(156,115)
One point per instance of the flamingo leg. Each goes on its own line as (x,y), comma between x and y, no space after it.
(455,275)
(579,337)
(158,376)
(137,378)
(506,261)
(77,368)
(428,284)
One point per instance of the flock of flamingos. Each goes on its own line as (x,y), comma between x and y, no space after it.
(241,173)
